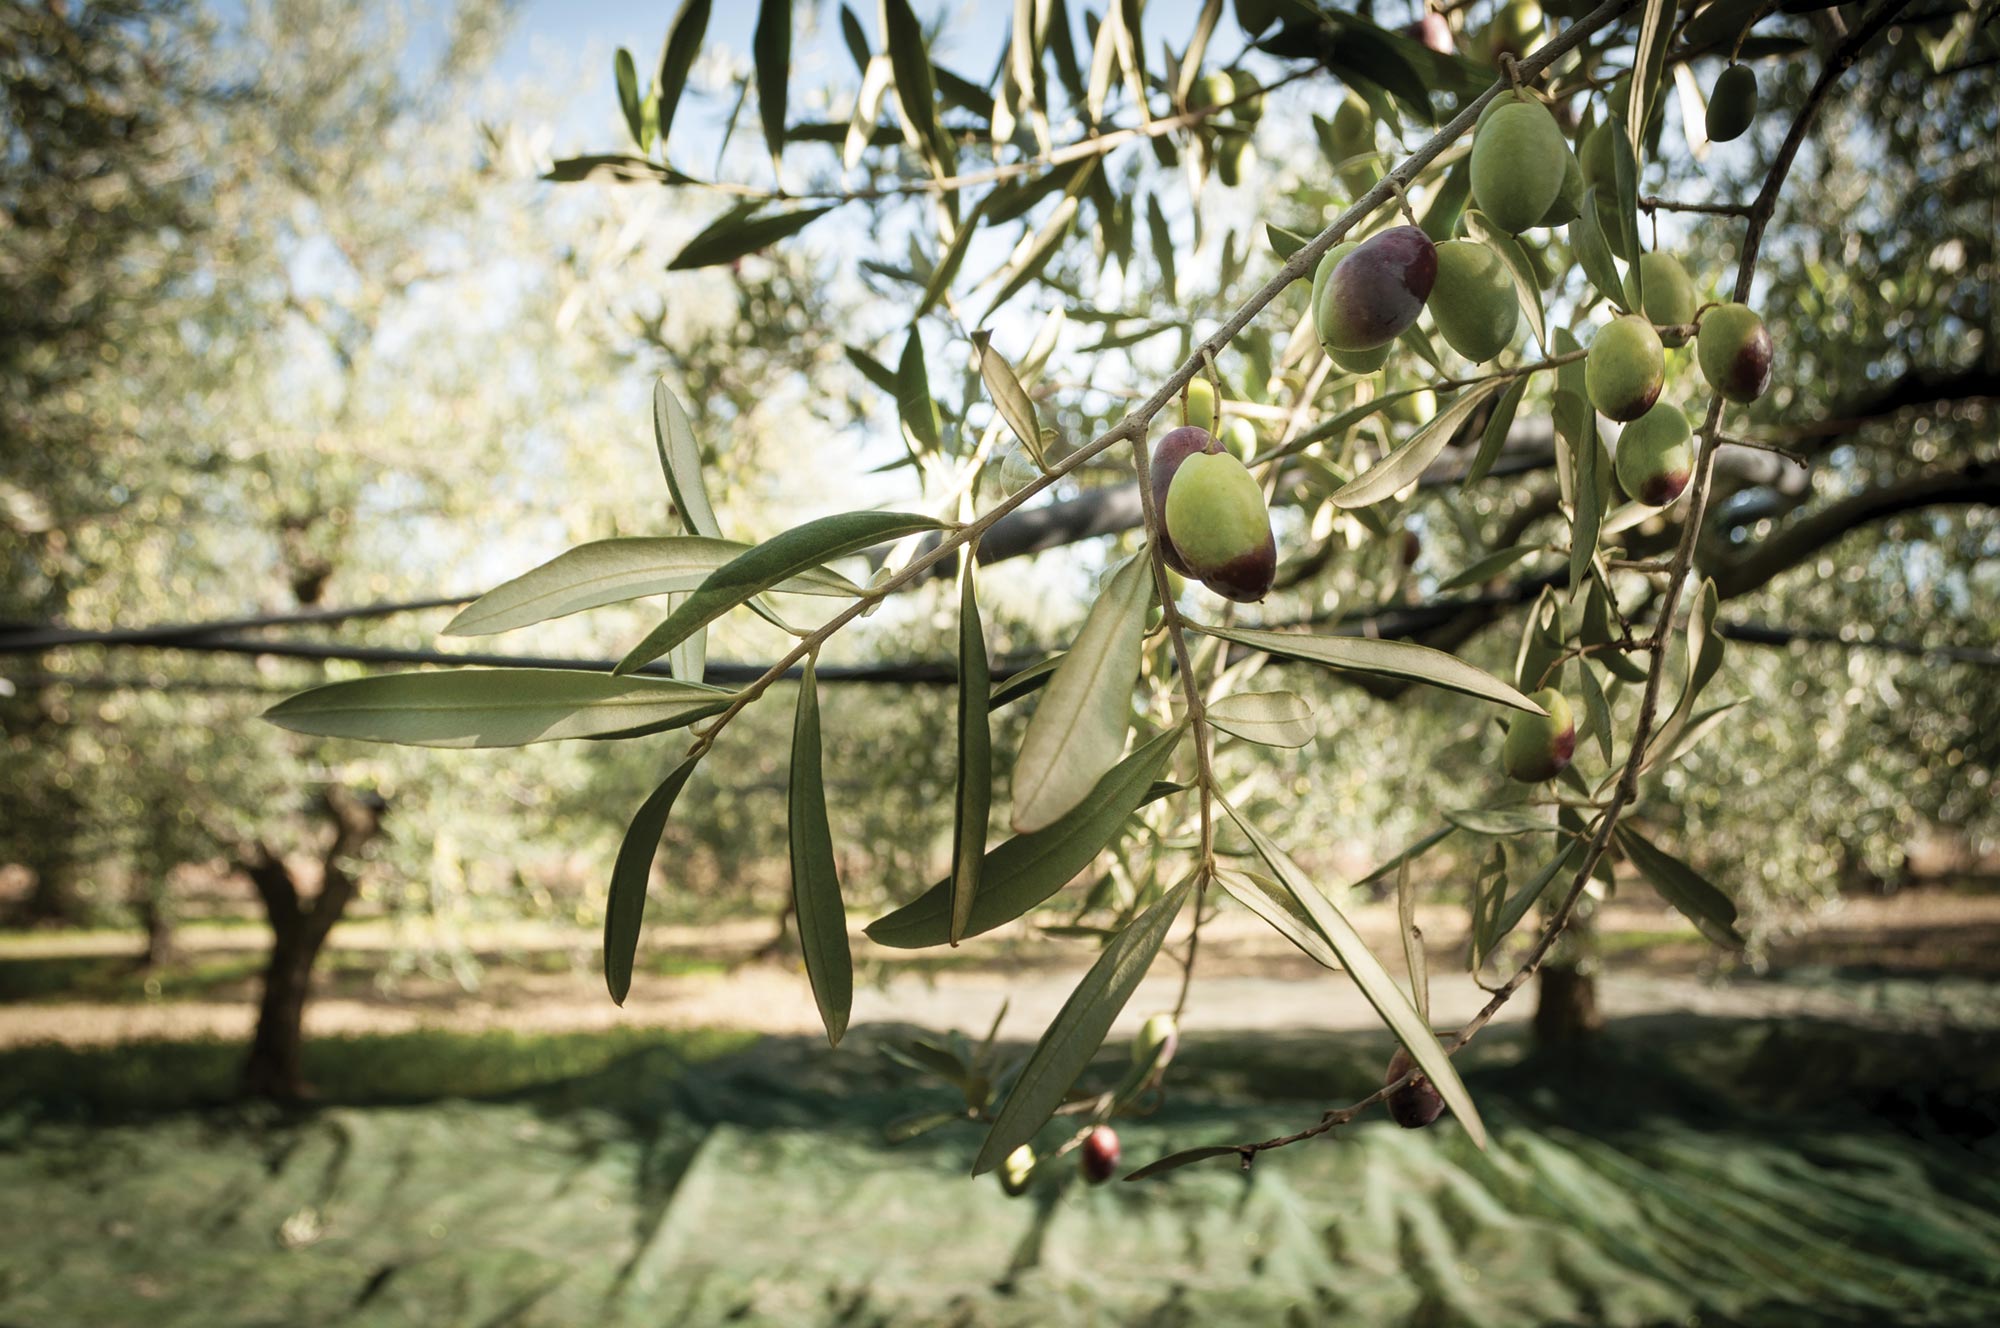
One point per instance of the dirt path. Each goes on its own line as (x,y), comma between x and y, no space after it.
(1248,979)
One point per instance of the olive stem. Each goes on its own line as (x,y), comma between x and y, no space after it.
(1652,204)
(1796,458)
(1099,145)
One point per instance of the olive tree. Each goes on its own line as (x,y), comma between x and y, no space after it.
(1479,280)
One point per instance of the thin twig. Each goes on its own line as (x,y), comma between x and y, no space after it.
(1652,204)
(1796,458)
(1098,145)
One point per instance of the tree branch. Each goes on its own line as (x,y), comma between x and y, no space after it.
(1973,483)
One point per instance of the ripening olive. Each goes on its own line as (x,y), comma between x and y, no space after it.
(1248,97)
(1655,456)
(1625,368)
(1374,293)
(1669,295)
(1175,448)
(1198,405)
(1735,352)
(1158,1038)
(1235,157)
(1539,747)
(1518,166)
(1722,21)
(1217,521)
(1433,32)
(1349,361)
(1515,30)
(1732,103)
(1018,1170)
(1099,1154)
(1240,439)
(1473,302)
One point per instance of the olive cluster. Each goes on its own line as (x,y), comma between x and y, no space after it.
(1524,175)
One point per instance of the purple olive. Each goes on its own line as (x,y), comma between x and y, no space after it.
(1375,293)
(1433,32)
(1417,1103)
(1099,1154)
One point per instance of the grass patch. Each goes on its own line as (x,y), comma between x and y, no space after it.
(375,1069)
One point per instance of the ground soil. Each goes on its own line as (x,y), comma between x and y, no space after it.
(533,978)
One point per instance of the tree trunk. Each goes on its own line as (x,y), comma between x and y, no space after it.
(1566,1014)
(1566,1005)
(157,917)
(275,1067)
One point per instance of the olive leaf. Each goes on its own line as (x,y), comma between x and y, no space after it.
(816,898)
(1078,728)
(1079,1029)
(1514,907)
(1394,659)
(1494,440)
(914,402)
(1163,246)
(1275,719)
(1625,174)
(1186,1157)
(915,81)
(741,231)
(683,44)
(1407,463)
(1649,57)
(1376,985)
(1023,682)
(625,909)
(771,563)
(974,798)
(1035,251)
(951,261)
(1500,820)
(1596,707)
(507,707)
(1711,911)
(1275,905)
(1020,873)
(1704,657)
(771,47)
(1009,397)
(1587,494)
(1485,569)
(680,459)
(627,75)
(613,571)
(1593,253)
